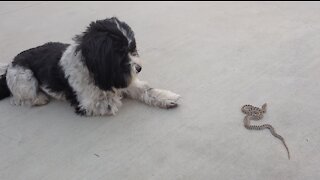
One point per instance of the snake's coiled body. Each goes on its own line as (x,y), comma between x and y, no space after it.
(255,113)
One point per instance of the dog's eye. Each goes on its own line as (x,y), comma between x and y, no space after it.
(135,53)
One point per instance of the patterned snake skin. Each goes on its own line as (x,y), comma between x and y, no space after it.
(255,113)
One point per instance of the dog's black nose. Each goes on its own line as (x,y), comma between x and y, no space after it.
(138,68)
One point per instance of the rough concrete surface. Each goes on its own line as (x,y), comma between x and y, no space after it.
(217,55)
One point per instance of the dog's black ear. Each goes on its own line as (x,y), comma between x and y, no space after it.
(104,60)
(97,55)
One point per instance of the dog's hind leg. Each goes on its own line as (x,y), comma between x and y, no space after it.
(24,87)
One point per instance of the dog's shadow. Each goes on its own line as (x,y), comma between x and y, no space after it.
(57,111)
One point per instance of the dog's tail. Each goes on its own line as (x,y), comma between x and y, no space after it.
(4,90)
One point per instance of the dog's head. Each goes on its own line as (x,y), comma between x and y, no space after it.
(109,51)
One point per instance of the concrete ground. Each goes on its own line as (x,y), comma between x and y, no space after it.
(218,56)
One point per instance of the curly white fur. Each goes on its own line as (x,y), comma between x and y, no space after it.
(92,99)
(24,87)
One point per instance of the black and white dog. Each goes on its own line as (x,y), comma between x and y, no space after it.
(93,73)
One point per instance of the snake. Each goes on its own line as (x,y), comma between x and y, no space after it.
(255,113)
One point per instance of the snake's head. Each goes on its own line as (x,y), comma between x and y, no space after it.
(264,108)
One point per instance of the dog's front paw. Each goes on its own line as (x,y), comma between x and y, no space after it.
(165,99)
